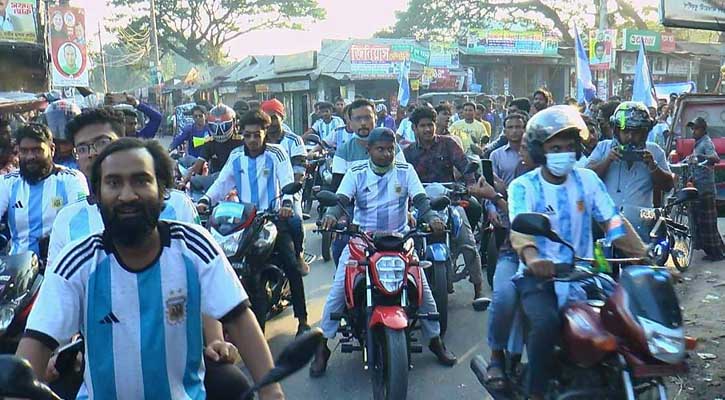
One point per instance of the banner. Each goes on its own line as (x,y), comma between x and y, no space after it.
(442,79)
(68,46)
(17,21)
(444,55)
(601,49)
(697,14)
(633,37)
(375,61)
(505,42)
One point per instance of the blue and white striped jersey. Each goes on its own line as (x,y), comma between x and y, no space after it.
(326,129)
(571,207)
(32,208)
(83,217)
(381,202)
(405,130)
(142,329)
(352,153)
(340,137)
(258,180)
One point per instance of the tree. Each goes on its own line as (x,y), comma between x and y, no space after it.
(446,20)
(198,29)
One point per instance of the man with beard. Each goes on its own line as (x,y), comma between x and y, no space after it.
(139,289)
(33,195)
(542,100)
(258,171)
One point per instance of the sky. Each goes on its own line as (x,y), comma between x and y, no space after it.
(345,19)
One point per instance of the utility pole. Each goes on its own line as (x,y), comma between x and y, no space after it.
(602,14)
(603,25)
(155,62)
(103,60)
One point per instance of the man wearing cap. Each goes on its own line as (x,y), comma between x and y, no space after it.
(703,158)
(382,190)
(281,134)
(33,195)
(384,120)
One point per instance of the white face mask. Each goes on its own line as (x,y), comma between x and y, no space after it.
(560,164)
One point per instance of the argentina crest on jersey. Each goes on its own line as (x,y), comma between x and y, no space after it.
(176,307)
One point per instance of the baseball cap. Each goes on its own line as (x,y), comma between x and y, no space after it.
(698,122)
(382,133)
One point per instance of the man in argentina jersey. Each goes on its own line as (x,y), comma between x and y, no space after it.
(258,171)
(326,125)
(382,190)
(137,291)
(572,198)
(33,195)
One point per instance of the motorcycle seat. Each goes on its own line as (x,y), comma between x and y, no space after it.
(389,241)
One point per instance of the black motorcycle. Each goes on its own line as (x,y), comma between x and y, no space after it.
(318,176)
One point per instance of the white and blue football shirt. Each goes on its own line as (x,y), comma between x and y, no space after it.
(142,328)
(31,208)
(340,137)
(83,217)
(325,130)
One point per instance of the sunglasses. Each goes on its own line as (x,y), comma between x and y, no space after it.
(221,127)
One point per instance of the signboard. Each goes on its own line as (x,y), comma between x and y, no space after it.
(295,62)
(268,88)
(297,86)
(668,42)
(17,21)
(505,42)
(698,14)
(678,67)
(376,61)
(442,79)
(68,46)
(443,55)
(632,38)
(601,49)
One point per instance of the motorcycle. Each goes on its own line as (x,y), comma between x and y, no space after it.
(668,230)
(383,288)
(17,379)
(318,176)
(621,342)
(20,280)
(248,238)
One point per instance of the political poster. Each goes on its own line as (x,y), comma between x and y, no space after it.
(69,52)
(601,49)
(17,21)
(444,55)
(508,42)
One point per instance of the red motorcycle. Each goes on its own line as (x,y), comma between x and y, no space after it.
(619,343)
(383,288)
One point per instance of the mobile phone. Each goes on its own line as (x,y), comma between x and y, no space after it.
(633,155)
(67,356)
(487,171)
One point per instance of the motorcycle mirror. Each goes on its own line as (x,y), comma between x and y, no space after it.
(326,198)
(425,264)
(440,203)
(687,194)
(293,358)
(311,137)
(292,188)
(18,380)
(535,224)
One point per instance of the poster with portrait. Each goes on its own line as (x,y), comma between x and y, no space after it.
(17,21)
(601,46)
(69,52)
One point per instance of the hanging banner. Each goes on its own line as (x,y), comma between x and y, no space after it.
(506,42)
(443,55)
(68,46)
(601,49)
(697,14)
(376,61)
(17,21)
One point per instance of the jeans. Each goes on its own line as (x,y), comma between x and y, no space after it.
(297,231)
(338,245)
(465,243)
(290,265)
(539,305)
(336,303)
(505,326)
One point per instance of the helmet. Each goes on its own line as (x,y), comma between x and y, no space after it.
(550,122)
(57,115)
(221,122)
(631,115)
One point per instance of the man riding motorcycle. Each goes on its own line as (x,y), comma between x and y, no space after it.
(56,117)
(571,197)
(382,189)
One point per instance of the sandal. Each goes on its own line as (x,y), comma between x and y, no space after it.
(495,376)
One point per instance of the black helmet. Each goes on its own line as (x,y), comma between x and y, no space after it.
(550,122)
(57,115)
(631,115)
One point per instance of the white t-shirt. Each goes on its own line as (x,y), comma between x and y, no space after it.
(325,130)
(142,329)
(32,208)
(405,130)
(381,202)
(83,217)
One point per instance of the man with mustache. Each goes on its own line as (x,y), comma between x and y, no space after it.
(137,291)
(33,195)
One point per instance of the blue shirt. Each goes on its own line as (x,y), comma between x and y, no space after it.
(188,134)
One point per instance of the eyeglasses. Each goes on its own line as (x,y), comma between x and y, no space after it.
(97,146)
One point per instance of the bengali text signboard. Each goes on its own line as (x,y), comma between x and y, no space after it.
(506,42)
(17,21)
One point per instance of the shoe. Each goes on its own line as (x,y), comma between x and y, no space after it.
(438,348)
(302,327)
(302,265)
(481,303)
(319,363)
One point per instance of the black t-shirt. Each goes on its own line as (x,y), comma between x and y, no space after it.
(217,154)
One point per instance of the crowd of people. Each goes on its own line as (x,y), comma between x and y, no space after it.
(128,266)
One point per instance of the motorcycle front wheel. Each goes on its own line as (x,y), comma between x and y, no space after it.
(439,287)
(390,372)
(682,243)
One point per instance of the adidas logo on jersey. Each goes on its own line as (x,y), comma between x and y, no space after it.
(109,319)
(19,204)
(550,210)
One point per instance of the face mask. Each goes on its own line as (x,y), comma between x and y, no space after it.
(380,170)
(560,164)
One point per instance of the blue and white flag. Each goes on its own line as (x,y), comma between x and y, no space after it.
(643,89)
(403,84)
(585,89)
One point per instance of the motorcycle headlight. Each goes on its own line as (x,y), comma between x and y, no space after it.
(391,271)
(665,344)
(266,236)
(6,317)
(230,243)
